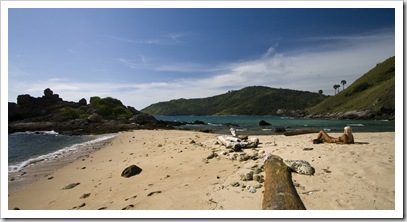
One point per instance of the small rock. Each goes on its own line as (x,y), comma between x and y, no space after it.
(256,177)
(257,170)
(308,148)
(235,184)
(86,195)
(70,186)
(247,176)
(159,145)
(244,158)
(212,155)
(326,171)
(251,189)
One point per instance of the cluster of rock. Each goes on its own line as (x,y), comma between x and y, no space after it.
(50,112)
(388,114)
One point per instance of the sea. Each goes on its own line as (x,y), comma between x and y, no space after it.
(249,125)
(30,148)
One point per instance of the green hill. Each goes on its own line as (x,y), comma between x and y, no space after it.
(372,96)
(254,100)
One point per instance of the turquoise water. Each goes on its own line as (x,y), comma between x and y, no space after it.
(250,124)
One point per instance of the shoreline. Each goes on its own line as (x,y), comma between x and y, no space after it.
(37,171)
(177,174)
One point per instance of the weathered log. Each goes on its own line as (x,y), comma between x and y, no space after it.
(234,134)
(237,143)
(279,191)
(299,132)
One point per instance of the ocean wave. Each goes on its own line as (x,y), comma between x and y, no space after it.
(241,129)
(52,132)
(356,124)
(215,124)
(53,155)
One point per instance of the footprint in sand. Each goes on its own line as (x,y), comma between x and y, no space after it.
(154,192)
(128,207)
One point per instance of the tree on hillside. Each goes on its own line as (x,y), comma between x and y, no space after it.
(336,87)
(320,92)
(343,82)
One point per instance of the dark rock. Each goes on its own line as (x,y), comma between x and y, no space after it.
(279,130)
(131,171)
(206,131)
(142,119)
(86,195)
(211,156)
(264,123)
(70,186)
(199,122)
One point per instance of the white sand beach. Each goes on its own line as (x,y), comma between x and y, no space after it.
(176,174)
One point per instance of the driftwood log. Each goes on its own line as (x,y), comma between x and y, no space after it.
(279,191)
(299,132)
(236,143)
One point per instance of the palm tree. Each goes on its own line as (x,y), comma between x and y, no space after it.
(336,87)
(343,82)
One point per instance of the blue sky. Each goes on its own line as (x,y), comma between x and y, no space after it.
(143,56)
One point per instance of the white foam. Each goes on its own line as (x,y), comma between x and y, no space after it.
(49,156)
(356,124)
(52,132)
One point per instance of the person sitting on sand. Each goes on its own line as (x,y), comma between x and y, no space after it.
(345,138)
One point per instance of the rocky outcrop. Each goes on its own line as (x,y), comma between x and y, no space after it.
(358,115)
(50,112)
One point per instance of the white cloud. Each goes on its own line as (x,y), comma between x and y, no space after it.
(309,70)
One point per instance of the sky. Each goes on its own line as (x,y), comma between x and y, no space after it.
(148,55)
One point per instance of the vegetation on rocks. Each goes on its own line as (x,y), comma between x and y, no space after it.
(102,115)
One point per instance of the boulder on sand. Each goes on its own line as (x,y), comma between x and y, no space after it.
(131,171)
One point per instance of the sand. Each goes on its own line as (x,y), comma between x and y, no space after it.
(176,174)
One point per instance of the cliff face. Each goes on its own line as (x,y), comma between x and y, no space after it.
(50,112)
